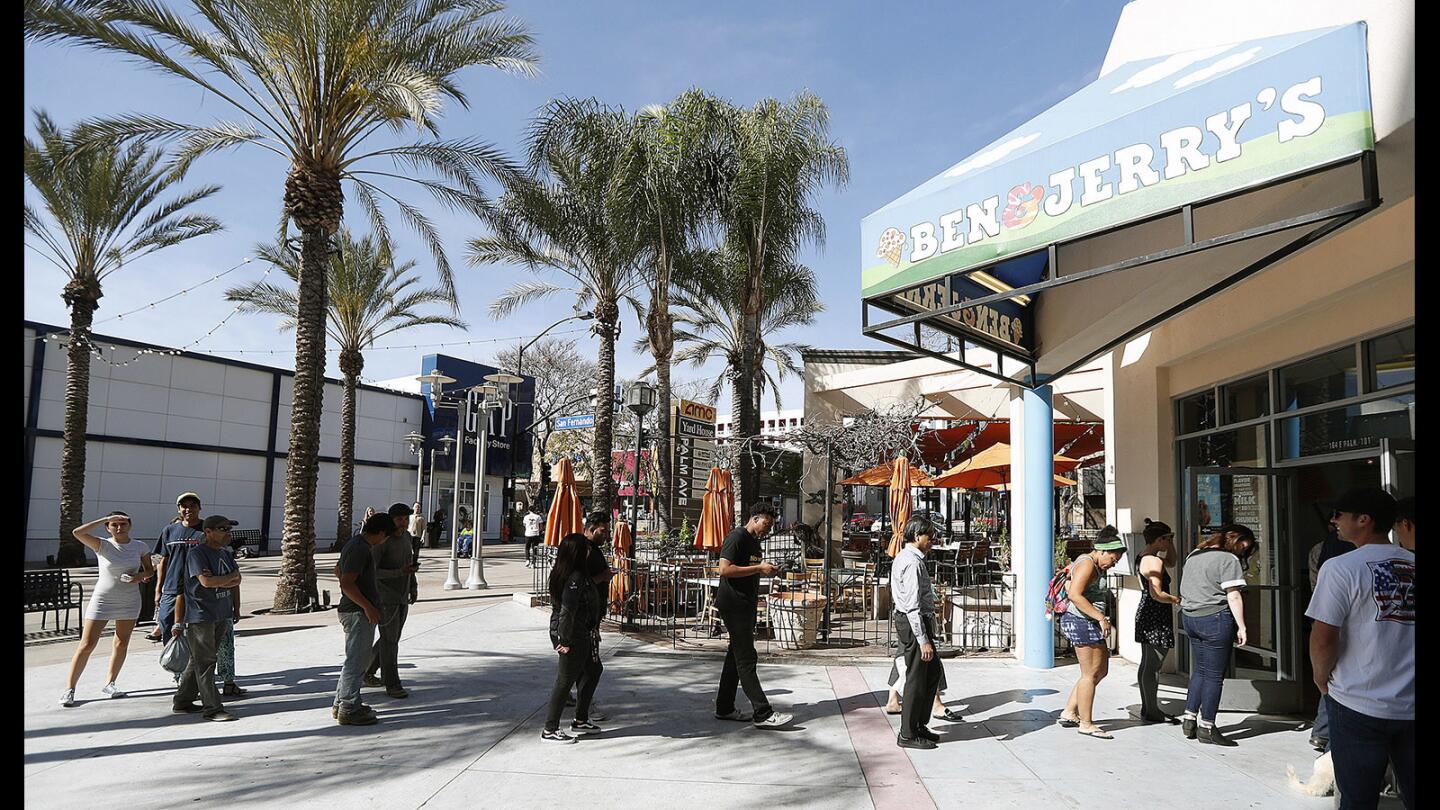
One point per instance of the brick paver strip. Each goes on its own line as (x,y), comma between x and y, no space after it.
(891,777)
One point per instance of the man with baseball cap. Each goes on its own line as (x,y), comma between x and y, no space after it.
(394,568)
(1362,649)
(175,540)
(200,610)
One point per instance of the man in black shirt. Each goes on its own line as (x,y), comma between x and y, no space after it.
(597,531)
(741,564)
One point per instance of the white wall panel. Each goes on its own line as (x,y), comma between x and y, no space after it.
(135,424)
(192,431)
(132,487)
(197,404)
(192,374)
(130,458)
(241,468)
(52,383)
(245,411)
(152,369)
(191,463)
(138,397)
(247,384)
(250,437)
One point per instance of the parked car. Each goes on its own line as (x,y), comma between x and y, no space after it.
(860,521)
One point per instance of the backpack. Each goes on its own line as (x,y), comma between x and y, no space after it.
(1057,596)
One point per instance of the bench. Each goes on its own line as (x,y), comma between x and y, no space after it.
(51,589)
(241,541)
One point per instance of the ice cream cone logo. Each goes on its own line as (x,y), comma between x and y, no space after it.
(1022,205)
(892,244)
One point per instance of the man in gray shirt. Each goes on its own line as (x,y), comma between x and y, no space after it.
(394,568)
(914,619)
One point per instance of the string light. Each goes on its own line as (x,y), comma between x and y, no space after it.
(152,304)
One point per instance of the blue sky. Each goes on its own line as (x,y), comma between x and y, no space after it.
(912,89)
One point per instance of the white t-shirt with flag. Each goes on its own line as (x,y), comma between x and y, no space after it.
(1369,594)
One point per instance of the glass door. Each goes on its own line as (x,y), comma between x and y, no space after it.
(1262,499)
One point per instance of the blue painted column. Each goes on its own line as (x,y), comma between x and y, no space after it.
(1037,493)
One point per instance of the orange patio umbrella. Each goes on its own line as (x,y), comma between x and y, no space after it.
(565,516)
(623,543)
(989,467)
(1060,481)
(727,499)
(710,535)
(880,475)
(900,484)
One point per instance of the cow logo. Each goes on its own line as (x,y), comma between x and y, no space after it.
(1393,582)
(1022,205)
(892,244)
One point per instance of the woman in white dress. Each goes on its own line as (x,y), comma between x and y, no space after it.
(123,563)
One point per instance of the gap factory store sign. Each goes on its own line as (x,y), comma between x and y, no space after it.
(1145,139)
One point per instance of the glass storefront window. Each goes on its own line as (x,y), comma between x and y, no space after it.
(1197,412)
(1326,378)
(1392,360)
(1244,447)
(1355,427)
(1247,399)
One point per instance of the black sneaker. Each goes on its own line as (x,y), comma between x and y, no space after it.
(927,734)
(1187,727)
(556,737)
(1212,736)
(584,727)
(1319,743)
(734,714)
(915,742)
(186,708)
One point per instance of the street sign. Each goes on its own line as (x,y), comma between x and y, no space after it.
(576,422)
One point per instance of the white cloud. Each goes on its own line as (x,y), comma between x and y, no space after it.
(1168,67)
(991,156)
(1224,65)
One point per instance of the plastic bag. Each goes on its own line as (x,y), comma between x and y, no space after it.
(176,655)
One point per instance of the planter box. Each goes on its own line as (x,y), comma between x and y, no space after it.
(795,618)
(980,619)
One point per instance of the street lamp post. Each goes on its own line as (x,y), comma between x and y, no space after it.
(496,396)
(509,488)
(640,399)
(416,443)
(446,442)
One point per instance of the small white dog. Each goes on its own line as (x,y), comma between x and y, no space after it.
(1322,778)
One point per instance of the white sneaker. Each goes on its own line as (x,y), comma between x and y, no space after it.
(111,691)
(597,715)
(68,699)
(774,720)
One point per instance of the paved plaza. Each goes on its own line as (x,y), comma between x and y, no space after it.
(479,668)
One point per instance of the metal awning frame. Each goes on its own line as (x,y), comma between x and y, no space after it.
(1330,220)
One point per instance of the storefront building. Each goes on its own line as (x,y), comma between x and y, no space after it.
(1221,229)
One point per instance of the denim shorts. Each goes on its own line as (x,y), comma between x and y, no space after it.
(1082,631)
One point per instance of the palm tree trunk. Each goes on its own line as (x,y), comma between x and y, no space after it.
(601,486)
(351,364)
(748,418)
(662,344)
(302,464)
(83,300)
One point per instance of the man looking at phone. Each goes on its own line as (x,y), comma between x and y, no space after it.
(394,569)
(741,565)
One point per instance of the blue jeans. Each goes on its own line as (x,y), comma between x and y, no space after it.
(1361,746)
(1211,639)
(359,638)
(165,615)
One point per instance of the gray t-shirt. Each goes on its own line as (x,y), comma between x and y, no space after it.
(390,557)
(1207,573)
(355,558)
(204,604)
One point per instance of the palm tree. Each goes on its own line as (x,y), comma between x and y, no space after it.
(104,212)
(710,295)
(668,189)
(781,156)
(369,296)
(313,82)
(564,222)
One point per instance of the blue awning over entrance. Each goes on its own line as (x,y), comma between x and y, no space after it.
(1151,138)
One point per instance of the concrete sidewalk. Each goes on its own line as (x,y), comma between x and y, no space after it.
(468,736)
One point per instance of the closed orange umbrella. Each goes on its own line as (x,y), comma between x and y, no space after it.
(623,542)
(565,516)
(899,505)
(727,500)
(710,535)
